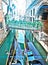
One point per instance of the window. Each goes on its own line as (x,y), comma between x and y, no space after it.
(0,24)
(44,16)
(33,11)
(30,18)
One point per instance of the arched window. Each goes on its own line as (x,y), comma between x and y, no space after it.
(44,16)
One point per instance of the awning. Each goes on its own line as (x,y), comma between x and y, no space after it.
(43,6)
(41,9)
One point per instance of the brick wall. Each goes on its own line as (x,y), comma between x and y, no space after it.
(45,26)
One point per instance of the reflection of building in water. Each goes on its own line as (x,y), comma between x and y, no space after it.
(20,36)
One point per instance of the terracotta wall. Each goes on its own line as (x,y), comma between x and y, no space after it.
(1,12)
(46,23)
(1,16)
(45,26)
(0,1)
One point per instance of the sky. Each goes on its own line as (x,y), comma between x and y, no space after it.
(21,7)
